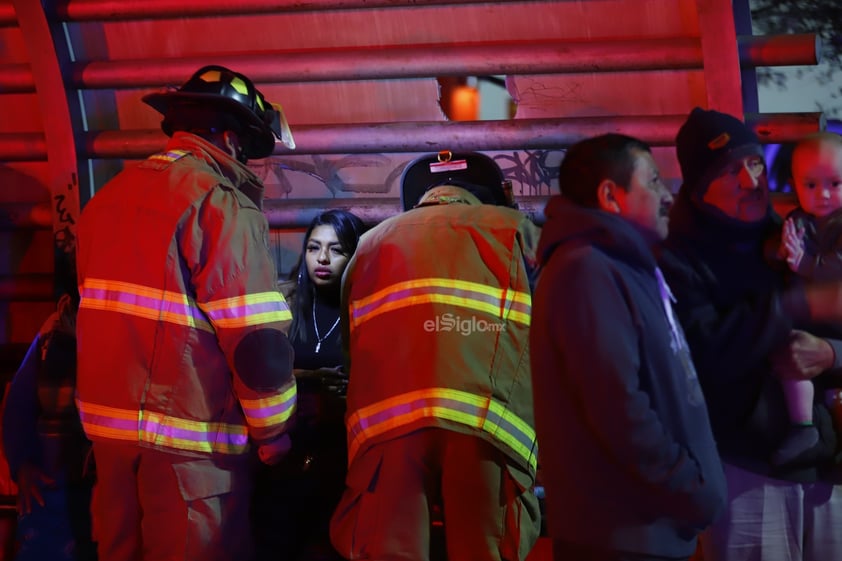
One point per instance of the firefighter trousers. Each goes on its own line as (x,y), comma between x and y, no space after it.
(489,510)
(155,506)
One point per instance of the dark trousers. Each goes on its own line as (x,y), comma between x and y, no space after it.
(293,501)
(60,530)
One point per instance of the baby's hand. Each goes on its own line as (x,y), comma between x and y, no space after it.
(792,243)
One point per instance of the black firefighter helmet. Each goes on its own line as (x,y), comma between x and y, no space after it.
(472,171)
(220,90)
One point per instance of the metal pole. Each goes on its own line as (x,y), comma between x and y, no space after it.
(23,147)
(19,216)
(399,61)
(372,138)
(8,17)
(298,213)
(34,287)
(118,10)
(773,128)
(16,78)
(420,61)
(802,49)
(281,213)
(516,134)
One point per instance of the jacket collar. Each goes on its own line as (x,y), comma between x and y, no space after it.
(223,163)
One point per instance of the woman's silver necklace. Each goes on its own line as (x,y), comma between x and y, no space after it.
(319,338)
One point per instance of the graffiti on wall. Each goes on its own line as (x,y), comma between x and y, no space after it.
(532,172)
(64,224)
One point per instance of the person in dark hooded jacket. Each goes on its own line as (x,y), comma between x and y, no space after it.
(630,465)
(45,446)
(742,323)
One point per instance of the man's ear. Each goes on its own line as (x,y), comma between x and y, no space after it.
(233,145)
(606,194)
(231,141)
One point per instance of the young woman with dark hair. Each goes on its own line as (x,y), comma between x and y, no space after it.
(294,501)
(313,288)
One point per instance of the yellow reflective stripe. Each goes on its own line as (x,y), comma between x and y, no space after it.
(423,299)
(169,156)
(518,306)
(424,283)
(506,304)
(477,412)
(142,301)
(172,432)
(268,411)
(162,430)
(449,393)
(249,309)
(122,431)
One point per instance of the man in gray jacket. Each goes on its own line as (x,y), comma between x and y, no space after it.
(628,458)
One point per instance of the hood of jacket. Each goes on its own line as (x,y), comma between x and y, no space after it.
(568,223)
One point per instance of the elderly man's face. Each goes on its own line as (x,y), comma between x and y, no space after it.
(741,190)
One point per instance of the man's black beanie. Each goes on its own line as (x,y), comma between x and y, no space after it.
(707,141)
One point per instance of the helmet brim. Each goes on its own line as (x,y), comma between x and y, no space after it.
(262,135)
(482,176)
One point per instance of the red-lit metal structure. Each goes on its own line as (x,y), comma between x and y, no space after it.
(358,81)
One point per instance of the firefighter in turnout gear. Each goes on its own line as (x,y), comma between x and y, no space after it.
(437,304)
(184,364)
